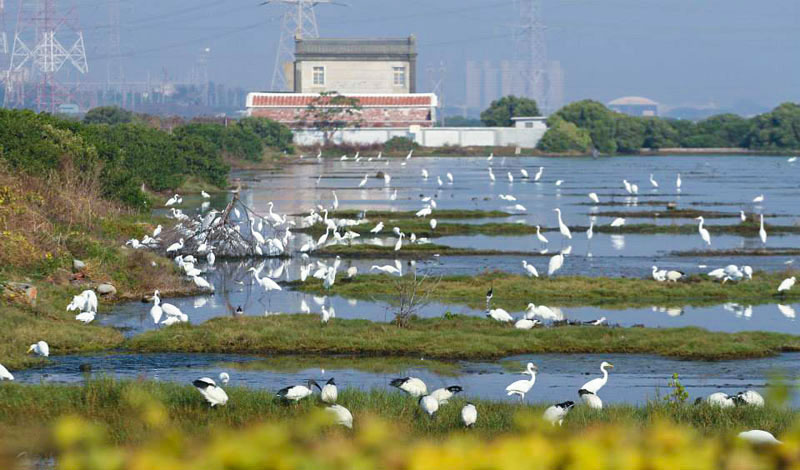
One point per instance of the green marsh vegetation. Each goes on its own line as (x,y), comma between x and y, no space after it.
(453,338)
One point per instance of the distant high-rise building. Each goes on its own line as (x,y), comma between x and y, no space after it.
(491,90)
(555,89)
(473,85)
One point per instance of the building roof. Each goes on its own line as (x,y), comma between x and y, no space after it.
(302,100)
(310,49)
(633,100)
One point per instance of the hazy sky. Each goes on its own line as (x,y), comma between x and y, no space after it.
(674,51)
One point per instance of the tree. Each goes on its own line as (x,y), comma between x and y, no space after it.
(777,130)
(629,134)
(272,133)
(659,133)
(108,115)
(330,112)
(459,121)
(564,137)
(597,119)
(501,111)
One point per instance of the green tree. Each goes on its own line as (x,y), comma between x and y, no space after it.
(460,121)
(108,115)
(658,133)
(629,134)
(777,130)
(330,112)
(595,118)
(564,137)
(500,112)
(272,133)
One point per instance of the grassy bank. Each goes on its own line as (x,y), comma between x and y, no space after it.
(129,412)
(375,365)
(514,292)
(739,252)
(402,215)
(449,338)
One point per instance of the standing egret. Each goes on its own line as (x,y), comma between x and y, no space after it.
(762,233)
(327,314)
(787,284)
(510,177)
(588,392)
(594,198)
(742,216)
(524,172)
(627,186)
(439,181)
(450,177)
(491,175)
(157,231)
(175,247)
(678,182)
(424,173)
(541,237)
(335,200)
(653,181)
(538,175)
(556,262)
(341,415)
(590,230)
(659,275)
(433,224)
(500,315)
(618,222)
(530,269)
(562,227)
(411,385)
(521,387)
(758,199)
(703,231)
(377,228)
(213,394)
(555,414)
(674,276)
(399,243)
(469,415)
(491,156)
(363,181)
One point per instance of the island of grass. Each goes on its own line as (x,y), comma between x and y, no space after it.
(513,292)
(131,412)
(454,338)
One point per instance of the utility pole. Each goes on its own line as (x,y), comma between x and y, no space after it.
(38,55)
(3,35)
(299,22)
(531,50)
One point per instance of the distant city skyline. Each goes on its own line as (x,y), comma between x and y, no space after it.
(722,54)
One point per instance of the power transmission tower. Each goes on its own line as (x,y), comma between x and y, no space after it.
(531,50)
(437,77)
(299,22)
(38,55)
(3,35)
(114,73)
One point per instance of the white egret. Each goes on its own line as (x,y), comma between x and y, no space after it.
(296,393)
(335,200)
(424,212)
(491,175)
(377,228)
(265,282)
(524,172)
(556,262)
(213,394)
(659,275)
(530,269)
(5,374)
(525,324)
(498,314)
(175,247)
(594,198)
(674,276)
(205,195)
(85,317)
(469,415)
(156,311)
(758,199)
(327,314)
(541,237)
(521,387)
(538,175)
(157,231)
(559,182)
(429,404)
(352,271)
(742,216)
(399,243)
(786,310)
(555,414)
(562,227)
(387,269)
(363,182)
(510,177)
(544,312)
(491,156)
(757,436)
(443,395)
(704,234)
(722,400)
(678,182)
(41,348)
(450,177)
(411,385)
(329,393)
(202,283)
(387,179)
(787,284)
(762,233)
(520,207)
(627,186)
(618,222)
(433,224)
(173,200)
(224,377)
(341,415)
(590,230)
(653,181)
(588,392)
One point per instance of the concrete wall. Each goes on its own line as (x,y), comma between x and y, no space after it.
(346,76)
(367,117)
(431,137)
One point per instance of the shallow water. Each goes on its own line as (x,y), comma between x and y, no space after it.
(634,379)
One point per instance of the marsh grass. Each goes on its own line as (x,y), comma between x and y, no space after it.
(375,365)
(125,408)
(513,292)
(457,337)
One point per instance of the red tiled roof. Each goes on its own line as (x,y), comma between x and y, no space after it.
(285,100)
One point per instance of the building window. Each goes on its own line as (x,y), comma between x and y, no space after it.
(399,76)
(319,75)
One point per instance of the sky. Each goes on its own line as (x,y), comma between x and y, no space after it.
(677,52)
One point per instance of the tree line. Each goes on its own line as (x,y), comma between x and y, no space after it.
(130,152)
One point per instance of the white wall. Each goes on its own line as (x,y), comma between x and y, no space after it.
(354,77)
(431,137)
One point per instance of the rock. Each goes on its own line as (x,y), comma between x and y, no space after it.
(78,265)
(106,289)
(20,292)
